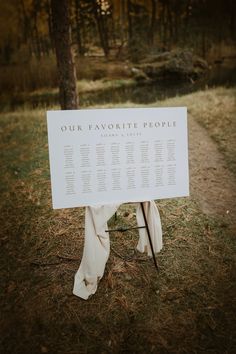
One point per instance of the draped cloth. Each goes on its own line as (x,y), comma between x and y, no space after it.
(97,243)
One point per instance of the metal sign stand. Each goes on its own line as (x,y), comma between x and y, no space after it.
(121,229)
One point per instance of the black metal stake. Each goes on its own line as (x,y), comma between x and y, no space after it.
(149,236)
(122,229)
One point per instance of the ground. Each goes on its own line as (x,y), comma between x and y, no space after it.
(188,307)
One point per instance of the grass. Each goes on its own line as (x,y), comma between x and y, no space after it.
(44,97)
(37,75)
(85,86)
(36,81)
(214,109)
(189,307)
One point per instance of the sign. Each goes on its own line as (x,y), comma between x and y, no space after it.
(107,156)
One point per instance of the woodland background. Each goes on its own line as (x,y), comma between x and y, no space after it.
(117,30)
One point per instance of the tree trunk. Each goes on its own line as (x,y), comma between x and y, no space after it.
(25,22)
(170,24)
(232,14)
(153,22)
(130,25)
(203,43)
(49,23)
(65,63)
(164,21)
(78,28)
(36,37)
(122,20)
(102,30)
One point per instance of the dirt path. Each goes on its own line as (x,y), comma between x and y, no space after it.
(211,182)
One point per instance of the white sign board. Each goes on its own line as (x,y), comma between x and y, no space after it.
(107,156)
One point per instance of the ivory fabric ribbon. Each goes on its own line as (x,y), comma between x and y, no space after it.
(97,243)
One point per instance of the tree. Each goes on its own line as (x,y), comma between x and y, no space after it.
(153,22)
(79,21)
(102,10)
(65,62)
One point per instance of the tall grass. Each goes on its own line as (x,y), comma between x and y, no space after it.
(25,77)
(37,74)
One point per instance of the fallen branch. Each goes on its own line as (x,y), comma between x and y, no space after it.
(68,257)
(61,257)
(39,264)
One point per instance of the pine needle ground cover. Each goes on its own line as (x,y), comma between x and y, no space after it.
(189,307)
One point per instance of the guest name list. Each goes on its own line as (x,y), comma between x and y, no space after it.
(117,155)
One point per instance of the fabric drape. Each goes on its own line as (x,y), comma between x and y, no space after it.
(97,243)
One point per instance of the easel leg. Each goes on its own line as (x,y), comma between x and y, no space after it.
(149,235)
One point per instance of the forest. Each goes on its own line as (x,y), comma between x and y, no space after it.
(115,25)
(116,31)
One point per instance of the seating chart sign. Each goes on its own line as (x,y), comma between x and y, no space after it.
(106,156)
